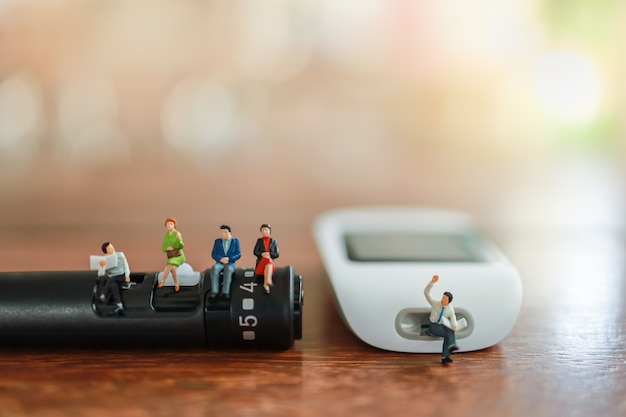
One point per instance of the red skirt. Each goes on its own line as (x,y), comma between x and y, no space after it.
(260,268)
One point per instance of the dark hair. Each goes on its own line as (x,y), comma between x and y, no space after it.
(225,226)
(449,294)
(266,225)
(105,245)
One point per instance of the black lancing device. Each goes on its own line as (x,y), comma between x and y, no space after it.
(62,307)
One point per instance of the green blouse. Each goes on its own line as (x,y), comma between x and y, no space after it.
(176,243)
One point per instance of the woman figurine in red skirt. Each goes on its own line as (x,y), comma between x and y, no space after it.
(266,250)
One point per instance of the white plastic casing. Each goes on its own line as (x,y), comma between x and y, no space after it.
(383,302)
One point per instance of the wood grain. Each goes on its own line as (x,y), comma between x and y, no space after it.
(565,355)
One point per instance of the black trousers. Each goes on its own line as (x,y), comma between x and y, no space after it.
(112,288)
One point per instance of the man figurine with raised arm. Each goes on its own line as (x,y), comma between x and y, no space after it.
(440,312)
(226,251)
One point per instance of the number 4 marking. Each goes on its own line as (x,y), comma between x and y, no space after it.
(248,286)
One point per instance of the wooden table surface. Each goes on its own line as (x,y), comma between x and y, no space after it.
(565,356)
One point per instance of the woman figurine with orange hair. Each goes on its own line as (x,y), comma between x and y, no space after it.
(173,246)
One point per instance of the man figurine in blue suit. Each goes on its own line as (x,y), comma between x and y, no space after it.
(226,251)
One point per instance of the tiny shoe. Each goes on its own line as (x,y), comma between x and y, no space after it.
(266,288)
(212,295)
(446,361)
(226,296)
(102,298)
(119,310)
(453,348)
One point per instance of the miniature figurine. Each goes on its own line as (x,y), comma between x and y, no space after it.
(266,250)
(116,275)
(173,246)
(226,251)
(441,310)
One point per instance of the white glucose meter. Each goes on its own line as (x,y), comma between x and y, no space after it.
(380,259)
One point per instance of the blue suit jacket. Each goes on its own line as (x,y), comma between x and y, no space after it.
(234,251)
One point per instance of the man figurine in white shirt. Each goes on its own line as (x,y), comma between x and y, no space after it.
(117,276)
(439,310)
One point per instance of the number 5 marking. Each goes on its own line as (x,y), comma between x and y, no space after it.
(248,321)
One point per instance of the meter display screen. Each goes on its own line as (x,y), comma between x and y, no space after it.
(403,247)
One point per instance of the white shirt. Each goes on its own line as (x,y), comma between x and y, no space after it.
(435,311)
